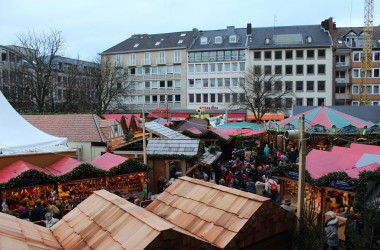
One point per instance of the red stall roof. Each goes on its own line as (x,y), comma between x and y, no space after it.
(63,166)
(108,161)
(16,168)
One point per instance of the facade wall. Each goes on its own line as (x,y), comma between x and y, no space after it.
(307,70)
(85,151)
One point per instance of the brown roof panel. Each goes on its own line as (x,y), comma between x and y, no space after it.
(76,127)
(21,234)
(207,210)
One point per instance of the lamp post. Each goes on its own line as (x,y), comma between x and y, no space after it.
(301,167)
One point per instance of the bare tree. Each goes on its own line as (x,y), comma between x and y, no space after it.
(38,52)
(112,85)
(263,93)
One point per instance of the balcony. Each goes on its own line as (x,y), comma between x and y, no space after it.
(342,81)
(343,96)
(343,65)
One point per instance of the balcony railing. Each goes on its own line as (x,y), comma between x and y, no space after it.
(342,64)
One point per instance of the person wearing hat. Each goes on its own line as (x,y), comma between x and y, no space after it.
(287,206)
(331,230)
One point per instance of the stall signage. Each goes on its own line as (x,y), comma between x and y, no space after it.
(292,174)
(341,185)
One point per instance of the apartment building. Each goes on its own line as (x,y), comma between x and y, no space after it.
(216,64)
(301,59)
(348,46)
(157,65)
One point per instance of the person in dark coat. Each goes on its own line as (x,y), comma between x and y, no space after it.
(38,213)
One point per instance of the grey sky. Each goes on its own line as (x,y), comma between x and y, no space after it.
(92,26)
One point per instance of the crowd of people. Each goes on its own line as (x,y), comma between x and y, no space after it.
(46,212)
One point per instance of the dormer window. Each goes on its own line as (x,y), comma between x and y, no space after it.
(136,45)
(267,40)
(218,40)
(203,40)
(309,39)
(233,39)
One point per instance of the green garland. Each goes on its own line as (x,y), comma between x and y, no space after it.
(132,164)
(32,173)
(84,170)
(361,188)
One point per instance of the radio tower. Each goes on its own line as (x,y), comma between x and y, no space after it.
(366,67)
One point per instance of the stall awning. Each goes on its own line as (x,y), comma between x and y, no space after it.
(63,166)
(176,116)
(108,161)
(16,168)
(237,116)
(267,117)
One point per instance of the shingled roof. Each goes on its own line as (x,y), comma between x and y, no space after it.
(163,131)
(218,214)
(163,146)
(143,42)
(76,127)
(339,35)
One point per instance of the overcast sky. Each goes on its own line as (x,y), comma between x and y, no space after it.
(92,26)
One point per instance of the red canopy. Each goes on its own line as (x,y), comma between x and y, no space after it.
(227,133)
(108,161)
(128,117)
(63,166)
(16,168)
(342,159)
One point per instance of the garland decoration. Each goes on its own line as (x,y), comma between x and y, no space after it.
(130,166)
(84,170)
(36,177)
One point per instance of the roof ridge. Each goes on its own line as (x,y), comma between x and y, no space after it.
(103,193)
(98,127)
(225,189)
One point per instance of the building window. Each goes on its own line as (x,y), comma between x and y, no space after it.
(234,97)
(355,103)
(356,56)
(212,98)
(321,101)
(268,69)
(233,39)
(278,69)
(310,69)
(278,54)
(321,69)
(288,54)
(162,84)
(227,67)
(146,71)
(220,82)
(205,98)
(267,55)
(205,67)
(220,67)
(203,40)
(227,82)
(299,54)
(309,101)
(356,73)
(205,83)
(257,55)
(234,82)
(321,86)
(299,85)
(177,84)
(234,66)
(278,86)
(299,69)
(154,98)
(146,58)
(289,86)
(198,83)
(376,73)
(355,89)
(241,97)
(299,101)
(218,39)
(242,66)
(227,98)
(288,103)
(177,56)
(212,67)
(310,86)
(257,69)
(376,89)
(376,56)
(118,61)
(198,68)
(147,85)
(220,98)
(198,98)
(161,57)
(375,103)
(310,54)
(132,59)
(321,53)
(191,83)
(289,69)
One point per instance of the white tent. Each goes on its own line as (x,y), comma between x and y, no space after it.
(17,136)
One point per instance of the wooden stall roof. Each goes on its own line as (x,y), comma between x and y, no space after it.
(108,161)
(21,234)
(160,146)
(163,131)
(107,221)
(207,159)
(211,212)
(15,169)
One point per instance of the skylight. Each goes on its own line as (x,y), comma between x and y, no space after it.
(180,41)
(183,34)
(158,43)
(136,45)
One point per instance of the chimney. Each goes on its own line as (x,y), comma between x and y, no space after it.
(230,29)
(329,25)
(249,29)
